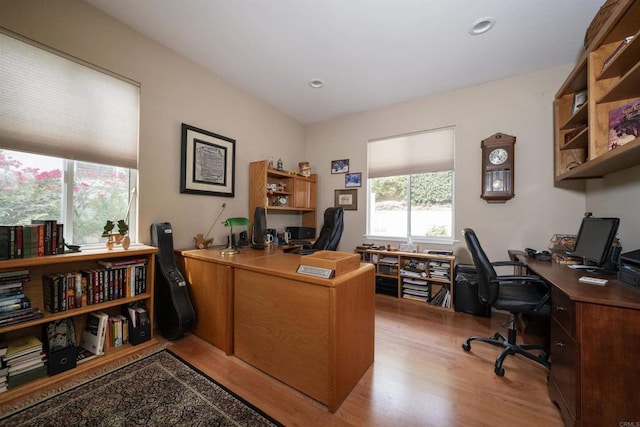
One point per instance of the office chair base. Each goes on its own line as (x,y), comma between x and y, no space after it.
(510,349)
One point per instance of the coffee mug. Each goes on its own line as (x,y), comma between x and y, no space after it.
(269,238)
(286,237)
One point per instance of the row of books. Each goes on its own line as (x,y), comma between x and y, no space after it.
(66,291)
(40,238)
(442,298)
(23,360)
(15,306)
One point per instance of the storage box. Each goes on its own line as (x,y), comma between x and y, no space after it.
(61,360)
(339,262)
(139,334)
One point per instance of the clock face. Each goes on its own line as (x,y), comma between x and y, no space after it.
(498,156)
(283,200)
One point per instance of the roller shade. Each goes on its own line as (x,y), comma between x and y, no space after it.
(56,105)
(423,152)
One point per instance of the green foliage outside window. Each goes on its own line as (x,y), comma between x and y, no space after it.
(27,193)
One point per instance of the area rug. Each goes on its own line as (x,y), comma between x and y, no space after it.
(159,390)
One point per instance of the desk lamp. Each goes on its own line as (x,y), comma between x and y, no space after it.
(231,222)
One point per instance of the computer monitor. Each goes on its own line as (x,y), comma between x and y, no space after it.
(259,232)
(594,240)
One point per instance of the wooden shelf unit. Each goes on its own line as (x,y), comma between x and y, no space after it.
(435,272)
(582,139)
(300,191)
(87,259)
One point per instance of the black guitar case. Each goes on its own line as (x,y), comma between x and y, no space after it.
(174,312)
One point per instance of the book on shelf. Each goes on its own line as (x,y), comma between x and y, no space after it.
(21,346)
(94,332)
(15,304)
(24,316)
(624,124)
(25,377)
(14,275)
(616,52)
(123,262)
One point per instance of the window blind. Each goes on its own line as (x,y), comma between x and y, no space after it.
(56,105)
(429,151)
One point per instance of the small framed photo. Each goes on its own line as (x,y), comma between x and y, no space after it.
(353,179)
(340,166)
(347,199)
(579,99)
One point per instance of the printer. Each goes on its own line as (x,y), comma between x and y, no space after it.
(629,269)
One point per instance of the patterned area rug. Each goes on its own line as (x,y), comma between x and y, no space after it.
(159,390)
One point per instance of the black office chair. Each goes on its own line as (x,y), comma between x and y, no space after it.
(519,295)
(329,236)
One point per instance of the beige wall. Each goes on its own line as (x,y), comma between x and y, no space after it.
(174,90)
(520,106)
(618,195)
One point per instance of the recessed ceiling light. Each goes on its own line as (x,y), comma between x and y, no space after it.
(482,25)
(316,83)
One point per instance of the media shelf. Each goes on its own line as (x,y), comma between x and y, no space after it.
(419,278)
(72,262)
(609,73)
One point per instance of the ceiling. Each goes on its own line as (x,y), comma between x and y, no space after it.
(368,53)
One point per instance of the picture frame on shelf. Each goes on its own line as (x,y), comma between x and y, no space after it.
(346,199)
(207,163)
(579,99)
(340,166)
(353,179)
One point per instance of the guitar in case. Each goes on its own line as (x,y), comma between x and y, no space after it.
(174,312)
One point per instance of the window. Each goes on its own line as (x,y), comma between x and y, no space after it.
(410,187)
(68,141)
(81,195)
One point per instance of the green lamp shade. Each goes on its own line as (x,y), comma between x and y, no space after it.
(232,222)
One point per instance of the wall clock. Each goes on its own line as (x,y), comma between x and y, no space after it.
(498,168)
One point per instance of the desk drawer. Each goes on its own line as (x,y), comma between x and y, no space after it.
(565,363)
(563,311)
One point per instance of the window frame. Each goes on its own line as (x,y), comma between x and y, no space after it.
(409,238)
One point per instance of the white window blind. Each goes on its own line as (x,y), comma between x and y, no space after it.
(423,152)
(55,105)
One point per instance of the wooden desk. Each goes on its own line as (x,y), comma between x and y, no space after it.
(316,335)
(595,344)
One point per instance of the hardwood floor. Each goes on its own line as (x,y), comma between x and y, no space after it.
(420,377)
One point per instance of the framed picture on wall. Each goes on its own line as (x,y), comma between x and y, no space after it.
(207,163)
(347,199)
(353,179)
(340,166)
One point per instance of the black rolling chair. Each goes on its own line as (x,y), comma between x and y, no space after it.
(519,295)
(329,236)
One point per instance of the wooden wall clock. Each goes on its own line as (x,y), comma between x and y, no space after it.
(498,168)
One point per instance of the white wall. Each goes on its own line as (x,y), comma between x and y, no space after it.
(174,90)
(520,106)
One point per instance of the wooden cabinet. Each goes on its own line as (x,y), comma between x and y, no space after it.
(595,335)
(281,192)
(609,74)
(415,277)
(72,262)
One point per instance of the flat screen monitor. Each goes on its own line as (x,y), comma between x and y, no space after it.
(259,232)
(595,238)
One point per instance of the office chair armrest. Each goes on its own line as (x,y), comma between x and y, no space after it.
(304,243)
(507,264)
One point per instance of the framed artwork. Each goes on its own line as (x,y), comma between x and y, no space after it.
(340,166)
(353,179)
(207,163)
(579,99)
(347,199)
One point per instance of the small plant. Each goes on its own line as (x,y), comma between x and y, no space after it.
(123,228)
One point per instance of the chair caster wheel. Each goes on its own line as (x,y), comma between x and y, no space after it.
(499,371)
(466,346)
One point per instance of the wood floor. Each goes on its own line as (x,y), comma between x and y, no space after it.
(420,377)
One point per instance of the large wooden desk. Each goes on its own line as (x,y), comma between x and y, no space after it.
(595,345)
(316,335)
